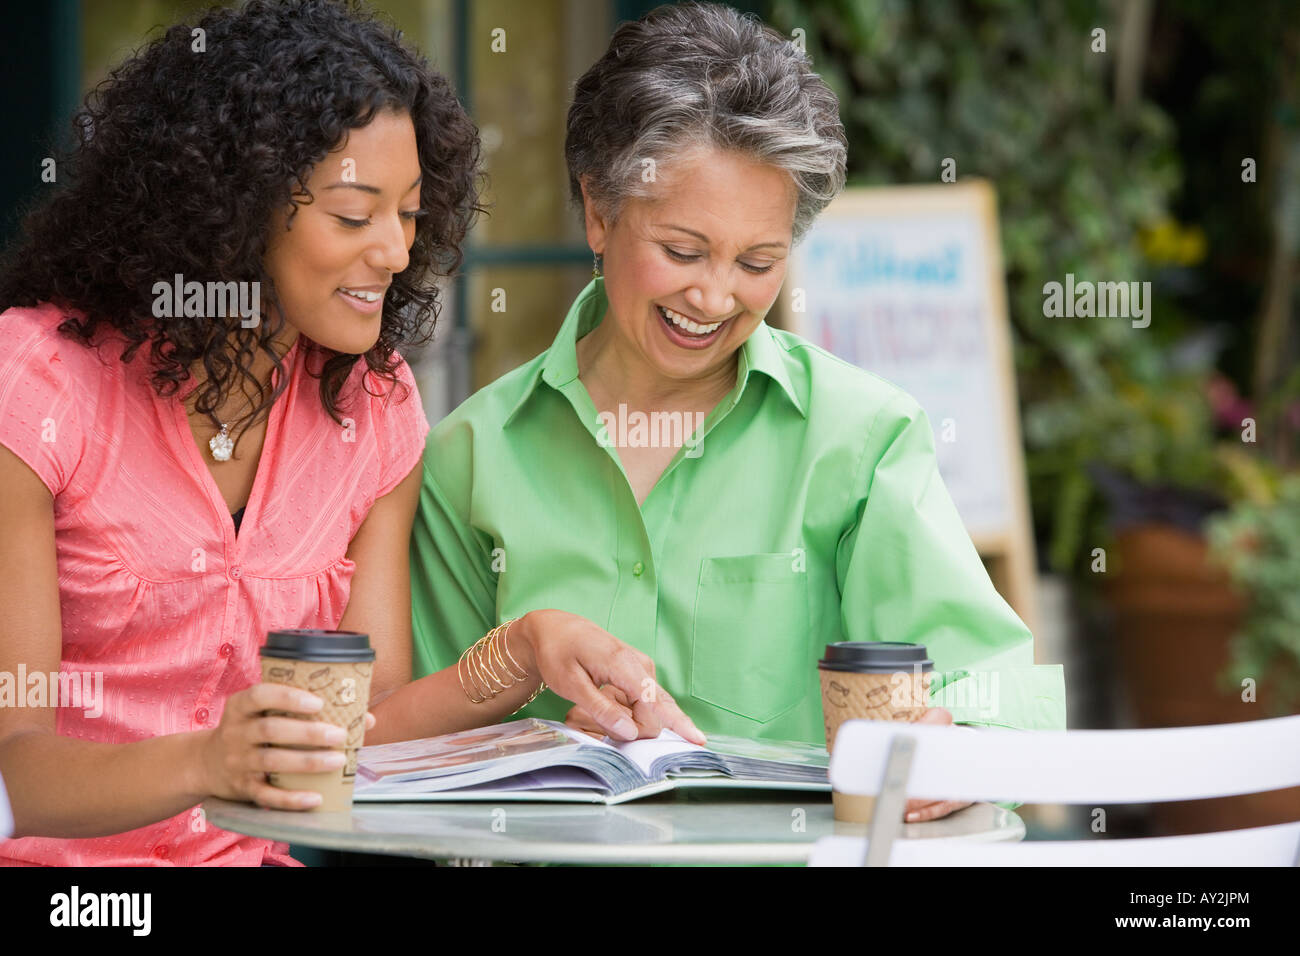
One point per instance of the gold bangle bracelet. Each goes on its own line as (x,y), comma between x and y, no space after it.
(490,668)
(460,674)
(490,665)
(505,643)
(499,664)
(480,671)
(540,687)
(500,637)
(485,660)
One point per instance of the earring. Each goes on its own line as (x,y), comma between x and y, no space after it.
(595,265)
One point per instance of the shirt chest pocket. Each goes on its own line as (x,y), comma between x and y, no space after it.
(749,639)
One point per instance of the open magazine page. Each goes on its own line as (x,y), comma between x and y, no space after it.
(668,749)
(771,759)
(534,753)
(540,755)
(737,757)
(457,753)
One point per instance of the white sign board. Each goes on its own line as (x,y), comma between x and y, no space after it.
(906,283)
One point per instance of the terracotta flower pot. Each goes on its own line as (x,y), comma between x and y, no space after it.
(1175,615)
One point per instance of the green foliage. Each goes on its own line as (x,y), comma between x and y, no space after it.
(1259,544)
(1153,428)
(1015,94)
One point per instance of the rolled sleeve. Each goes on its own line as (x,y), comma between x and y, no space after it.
(908,572)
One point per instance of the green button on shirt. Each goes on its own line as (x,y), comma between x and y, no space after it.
(806,509)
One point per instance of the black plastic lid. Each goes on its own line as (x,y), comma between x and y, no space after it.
(875,657)
(311,644)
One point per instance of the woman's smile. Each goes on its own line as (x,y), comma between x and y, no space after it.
(686,332)
(368,300)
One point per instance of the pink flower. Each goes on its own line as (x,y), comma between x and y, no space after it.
(1228,406)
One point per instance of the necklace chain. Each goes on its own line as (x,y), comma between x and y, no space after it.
(221,444)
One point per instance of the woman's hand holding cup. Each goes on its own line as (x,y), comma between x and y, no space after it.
(921,810)
(248,743)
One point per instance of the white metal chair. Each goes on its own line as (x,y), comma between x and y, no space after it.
(895,761)
(6,815)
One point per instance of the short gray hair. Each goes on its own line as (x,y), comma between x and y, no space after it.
(699,74)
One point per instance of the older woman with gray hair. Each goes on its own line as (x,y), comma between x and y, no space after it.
(724,497)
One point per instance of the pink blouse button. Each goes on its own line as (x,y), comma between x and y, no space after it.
(225,650)
(201,715)
(236,572)
(161,852)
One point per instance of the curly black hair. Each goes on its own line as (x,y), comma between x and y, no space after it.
(181,157)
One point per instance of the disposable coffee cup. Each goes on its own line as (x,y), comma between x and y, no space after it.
(335,666)
(870,680)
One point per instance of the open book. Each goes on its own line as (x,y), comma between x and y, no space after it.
(535,759)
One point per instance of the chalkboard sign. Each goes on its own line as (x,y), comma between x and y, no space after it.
(907,283)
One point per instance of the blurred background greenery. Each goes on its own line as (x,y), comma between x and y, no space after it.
(1123,163)
(1172,156)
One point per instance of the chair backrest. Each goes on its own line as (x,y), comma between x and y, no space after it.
(6,814)
(895,761)
(1074,766)
(1259,846)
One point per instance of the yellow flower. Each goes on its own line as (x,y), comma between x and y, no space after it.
(1168,242)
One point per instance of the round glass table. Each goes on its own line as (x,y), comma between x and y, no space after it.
(690,825)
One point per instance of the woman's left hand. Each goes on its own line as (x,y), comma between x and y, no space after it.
(920,810)
(576,658)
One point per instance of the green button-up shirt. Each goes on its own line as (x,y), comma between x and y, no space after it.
(807,508)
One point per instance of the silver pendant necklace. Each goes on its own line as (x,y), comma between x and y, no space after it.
(222,444)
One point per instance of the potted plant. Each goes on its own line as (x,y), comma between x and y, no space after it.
(1258,543)
(1204,600)
(1186,536)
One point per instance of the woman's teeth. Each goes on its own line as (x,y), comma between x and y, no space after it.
(363,296)
(682,322)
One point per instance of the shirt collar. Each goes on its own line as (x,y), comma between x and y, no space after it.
(763,353)
(559,366)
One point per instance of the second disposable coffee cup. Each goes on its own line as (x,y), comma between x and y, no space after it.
(335,666)
(870,680)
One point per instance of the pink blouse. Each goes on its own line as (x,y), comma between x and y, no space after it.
(163,607)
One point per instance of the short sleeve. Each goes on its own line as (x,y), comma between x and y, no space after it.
(908,571)
(403,429)
(453,574)
(39,417)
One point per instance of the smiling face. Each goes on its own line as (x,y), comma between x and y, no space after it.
(691,271)
(333,265)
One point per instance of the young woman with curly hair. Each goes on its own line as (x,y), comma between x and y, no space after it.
(297,157)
